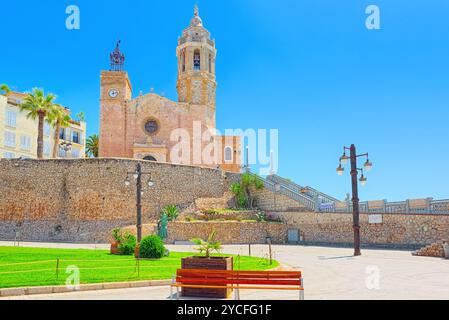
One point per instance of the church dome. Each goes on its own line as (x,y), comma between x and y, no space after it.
(196,20)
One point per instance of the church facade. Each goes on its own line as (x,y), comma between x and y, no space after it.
(152,127)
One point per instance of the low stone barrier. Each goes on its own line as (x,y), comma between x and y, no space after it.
(229,232)
(378,229)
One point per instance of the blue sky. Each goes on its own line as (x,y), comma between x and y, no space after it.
(308,68)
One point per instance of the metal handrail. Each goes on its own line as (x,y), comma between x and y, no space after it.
(314,193)
(293,191)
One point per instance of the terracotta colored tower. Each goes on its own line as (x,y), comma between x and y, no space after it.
(116,92)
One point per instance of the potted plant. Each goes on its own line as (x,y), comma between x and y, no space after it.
(123,243)
(116,238)
(206,261)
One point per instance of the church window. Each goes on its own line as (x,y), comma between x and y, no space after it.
(210,63)
(197,60)
(183,61)
(228,154)
(151,127)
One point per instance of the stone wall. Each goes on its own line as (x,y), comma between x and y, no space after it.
(265,199)
(395,229)
(228,232)
(83,199)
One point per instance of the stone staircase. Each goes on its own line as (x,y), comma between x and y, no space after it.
(309,192)
(432,250)
(306,196)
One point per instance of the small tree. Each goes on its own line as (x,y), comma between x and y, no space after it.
(59,118)
(206,247)
(4,89)
(37,105)
(92,146)
(171,211)
(242,190)
(80,117)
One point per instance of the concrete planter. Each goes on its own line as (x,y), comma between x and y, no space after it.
(215,263)
(446,250)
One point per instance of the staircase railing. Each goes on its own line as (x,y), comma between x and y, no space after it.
(287,191)
(310,192)
(321,202)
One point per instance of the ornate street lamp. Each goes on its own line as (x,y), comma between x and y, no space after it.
(138,177)
(355,192)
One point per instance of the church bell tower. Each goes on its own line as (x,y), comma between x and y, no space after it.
(196,65)
(115,92)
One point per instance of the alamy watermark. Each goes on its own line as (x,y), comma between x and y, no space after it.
(210,147)
(73,20)
(72,282)
(372,280)
(373,19)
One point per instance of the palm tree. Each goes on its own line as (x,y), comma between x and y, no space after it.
(5,89)
(59,118)
(80,117)
(38,105)
(92,146)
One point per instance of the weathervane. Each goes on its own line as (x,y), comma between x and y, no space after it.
(117,59)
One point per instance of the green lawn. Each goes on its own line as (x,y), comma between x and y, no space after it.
(26,267)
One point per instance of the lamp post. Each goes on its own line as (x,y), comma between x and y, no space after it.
(66,146)
(138,177)
(355,192)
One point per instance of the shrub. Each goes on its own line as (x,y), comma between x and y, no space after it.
(171,211)
(152,247)
(240,195)
(117,235)
(261,216)
(242,190)
(127,245)
(207,247)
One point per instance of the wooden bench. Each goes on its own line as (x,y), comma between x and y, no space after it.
(236,280)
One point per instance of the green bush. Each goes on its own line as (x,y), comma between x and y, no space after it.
(242,192)
(117,234)
(240,195)
(261,216)
(127,244)
(152,247)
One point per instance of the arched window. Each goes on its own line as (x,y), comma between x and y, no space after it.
(229,157)
(150,158)
(196,60)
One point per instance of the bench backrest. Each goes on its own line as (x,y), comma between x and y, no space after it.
(197,276)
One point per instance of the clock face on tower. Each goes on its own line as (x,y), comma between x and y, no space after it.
(113,93)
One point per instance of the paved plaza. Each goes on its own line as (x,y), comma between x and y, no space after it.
(329,273)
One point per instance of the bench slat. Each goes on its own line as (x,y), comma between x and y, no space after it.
(239,281)
(238,287)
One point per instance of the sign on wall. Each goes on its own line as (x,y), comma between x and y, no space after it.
(375,218)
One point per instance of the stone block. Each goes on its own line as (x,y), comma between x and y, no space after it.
(91,287)
(12,292)
(40,290)
(116,285)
